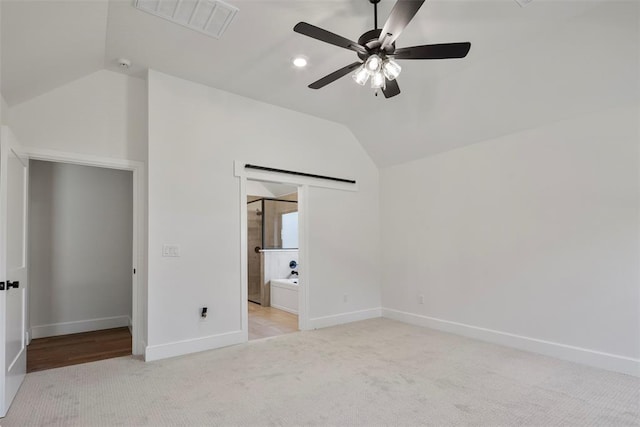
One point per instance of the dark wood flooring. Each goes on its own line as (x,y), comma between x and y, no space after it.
(65,350)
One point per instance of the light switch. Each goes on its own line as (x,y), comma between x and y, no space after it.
(170,250)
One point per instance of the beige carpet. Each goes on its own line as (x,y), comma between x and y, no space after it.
(376,372)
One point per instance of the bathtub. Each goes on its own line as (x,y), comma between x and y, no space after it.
(284,295)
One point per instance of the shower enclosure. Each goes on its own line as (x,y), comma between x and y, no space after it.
(272,224)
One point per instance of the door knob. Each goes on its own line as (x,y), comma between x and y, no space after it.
(11,284)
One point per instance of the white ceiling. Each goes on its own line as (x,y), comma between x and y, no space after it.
(548,61)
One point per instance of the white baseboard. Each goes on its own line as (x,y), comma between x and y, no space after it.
(65,328)
(339,319)
(179,348)
(283,308)
(611,362)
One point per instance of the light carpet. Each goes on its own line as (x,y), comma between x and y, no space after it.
(374,372)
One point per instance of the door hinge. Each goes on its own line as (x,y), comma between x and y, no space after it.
(134,271)
(1,286)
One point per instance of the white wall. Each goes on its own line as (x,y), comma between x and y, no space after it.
(534,234)
(195,134)
(256,188)
(102,114)
(4,110)
(80,235)
(3,104)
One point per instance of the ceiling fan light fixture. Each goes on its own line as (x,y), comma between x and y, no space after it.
(377,48)
(391,68)
(377,80)
(361,75)
(373,64)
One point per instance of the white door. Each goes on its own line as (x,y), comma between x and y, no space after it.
(13,268)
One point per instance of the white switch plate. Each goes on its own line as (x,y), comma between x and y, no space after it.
(170,250)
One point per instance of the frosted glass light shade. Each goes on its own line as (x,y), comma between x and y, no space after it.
(361,75)
(377,80)
(373,63)
(391,69)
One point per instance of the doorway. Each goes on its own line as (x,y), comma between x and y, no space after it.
(272,259)
(81,223)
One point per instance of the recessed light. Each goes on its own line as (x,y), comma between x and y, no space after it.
(300,62)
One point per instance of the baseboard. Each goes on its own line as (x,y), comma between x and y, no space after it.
(283,308)
(130,325)
(179,348)
(611,362)
(65,328)
(339,319)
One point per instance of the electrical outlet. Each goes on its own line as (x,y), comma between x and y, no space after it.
(204,313)
(345,298)
(420,299)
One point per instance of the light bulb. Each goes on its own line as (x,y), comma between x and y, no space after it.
(300,62)
(377,80)
(391,69)
(361,75)
(373,63)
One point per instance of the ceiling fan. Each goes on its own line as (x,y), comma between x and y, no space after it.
(377,49)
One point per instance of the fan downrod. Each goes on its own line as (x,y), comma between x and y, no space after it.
(370,39)
(375,12)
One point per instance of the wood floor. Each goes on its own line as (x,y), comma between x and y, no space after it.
(65,350)
(270,322)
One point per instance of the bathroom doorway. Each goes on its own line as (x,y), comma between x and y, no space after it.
(272,259)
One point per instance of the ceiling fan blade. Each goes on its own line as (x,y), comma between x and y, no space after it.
(403,11)
(328,37)
(391,88)
(330,78)
(434,51)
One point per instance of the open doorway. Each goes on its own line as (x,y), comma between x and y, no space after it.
(272,259)
(80,264)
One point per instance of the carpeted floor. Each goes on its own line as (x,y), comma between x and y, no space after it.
(375,372)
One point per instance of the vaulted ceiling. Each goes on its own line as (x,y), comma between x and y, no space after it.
(550,60)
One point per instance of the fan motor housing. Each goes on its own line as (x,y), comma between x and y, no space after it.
(371,41)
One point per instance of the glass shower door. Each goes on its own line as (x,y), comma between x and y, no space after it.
(254,240)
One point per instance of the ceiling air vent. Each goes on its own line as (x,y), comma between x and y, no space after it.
(211,17)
